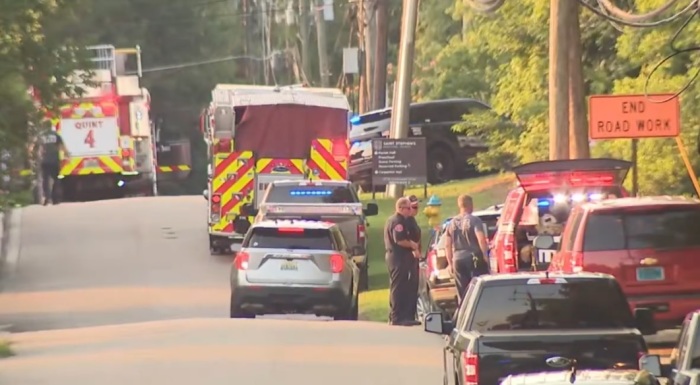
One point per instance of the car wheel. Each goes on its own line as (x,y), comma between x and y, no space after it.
(236,311)
(363,284)
(351,314)
(423,306)
(441,165)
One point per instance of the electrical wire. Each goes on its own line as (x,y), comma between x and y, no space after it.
(486,6)
(635,24)
(676,51)
(627,16)
(204,62)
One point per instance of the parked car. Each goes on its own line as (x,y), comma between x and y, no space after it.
(684,368)
(447,151)
(437,289)
(541,204)
(651,245)
(301,267)
(515,323)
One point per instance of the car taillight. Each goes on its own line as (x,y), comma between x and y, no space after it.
(361,233)
(470,366)
(241,260)
(337,263)
(508,255)
(290,230)
(216,199)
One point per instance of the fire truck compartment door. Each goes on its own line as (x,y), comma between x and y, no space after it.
(263,180)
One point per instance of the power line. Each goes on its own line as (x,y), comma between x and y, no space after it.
(607,14)
(204,62)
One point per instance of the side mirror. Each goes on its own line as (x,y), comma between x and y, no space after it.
(371,210)
(652,364)
(436,324)
(644,320)
(358,250)
(543,242)
(205,194)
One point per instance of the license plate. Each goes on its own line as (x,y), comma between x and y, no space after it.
(289,266)
(90,163)
(650,274)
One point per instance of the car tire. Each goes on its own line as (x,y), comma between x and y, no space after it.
(441,164)
(236,311)
(363,282)
(351,314)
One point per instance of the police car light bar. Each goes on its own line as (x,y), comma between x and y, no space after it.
(316,193)
(319,209)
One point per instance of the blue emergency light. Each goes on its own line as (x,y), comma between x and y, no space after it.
(300,193)
(355,120)
(543,203)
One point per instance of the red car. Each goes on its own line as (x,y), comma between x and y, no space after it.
(651,245)
(541,204)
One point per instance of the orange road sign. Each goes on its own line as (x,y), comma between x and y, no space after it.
(633,116)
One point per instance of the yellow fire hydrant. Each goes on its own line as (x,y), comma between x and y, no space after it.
(432,211)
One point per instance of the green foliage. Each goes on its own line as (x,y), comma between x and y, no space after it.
(503,60)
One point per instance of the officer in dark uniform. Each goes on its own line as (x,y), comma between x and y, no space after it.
(465,245)
(414,234)
(400,259)
(50,145)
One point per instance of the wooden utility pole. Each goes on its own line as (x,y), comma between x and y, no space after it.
(304,37)
(322,45)
(559,26)
(370,39)
(362,78)
(380,56)
(402,98)
(578,123)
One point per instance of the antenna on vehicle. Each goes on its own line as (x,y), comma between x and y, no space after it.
(546,274)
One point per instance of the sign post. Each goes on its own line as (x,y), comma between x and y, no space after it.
(638,117)
(399,161)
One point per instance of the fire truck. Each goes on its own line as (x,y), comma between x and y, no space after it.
(110,140)
(259,134)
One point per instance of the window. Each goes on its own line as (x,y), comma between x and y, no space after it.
(578,304)
(653,228)
(274,238)
(312,194)
(567,243)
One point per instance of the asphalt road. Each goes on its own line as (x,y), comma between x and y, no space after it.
(84,267)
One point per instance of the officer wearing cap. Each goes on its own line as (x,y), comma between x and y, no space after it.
(465,245)
(414,234)
(400,259)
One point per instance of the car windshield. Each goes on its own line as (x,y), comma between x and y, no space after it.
(579,304)
(311,194)
(282,238)
(653,228)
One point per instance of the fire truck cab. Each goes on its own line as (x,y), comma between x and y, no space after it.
(542,202)
(259,134)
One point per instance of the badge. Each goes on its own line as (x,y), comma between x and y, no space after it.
(398,227)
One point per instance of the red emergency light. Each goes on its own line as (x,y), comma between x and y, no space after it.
(340,149)
(224,146)
(290,230)
(552,180)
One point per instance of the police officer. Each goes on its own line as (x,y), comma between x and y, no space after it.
(400,259)
(465,245)
(50,144)
(414,234)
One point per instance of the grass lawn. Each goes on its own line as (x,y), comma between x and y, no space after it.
(486,191)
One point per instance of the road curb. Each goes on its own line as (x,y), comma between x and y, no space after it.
(10,239)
